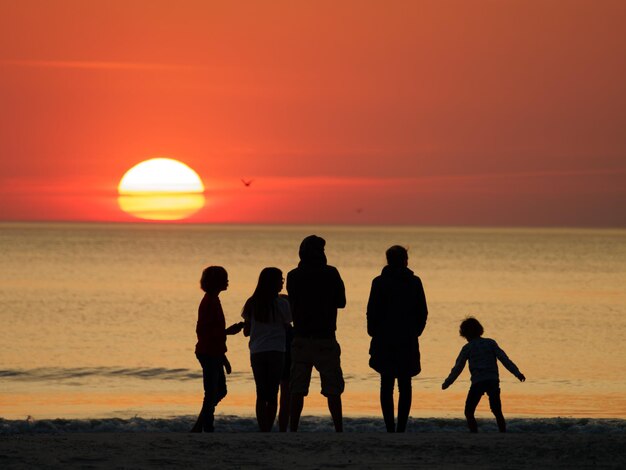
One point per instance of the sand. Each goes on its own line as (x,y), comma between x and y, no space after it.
(313,450)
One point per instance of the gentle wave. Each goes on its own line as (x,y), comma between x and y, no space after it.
(229,423)
(47,374)
(73,373)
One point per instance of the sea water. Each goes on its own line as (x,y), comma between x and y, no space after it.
(98,321)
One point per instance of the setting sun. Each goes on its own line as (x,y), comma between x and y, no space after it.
(161,189)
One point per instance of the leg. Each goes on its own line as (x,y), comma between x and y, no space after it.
(386,401)
(259,373)
(496,406)
(404,402)
(210,377)
(275,369)
(283,414)
(270,413)
(260,413)
(336,411)
(328,363)
(473,398)
(301,367)
(297,403)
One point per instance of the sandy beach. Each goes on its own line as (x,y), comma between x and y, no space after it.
(312,450)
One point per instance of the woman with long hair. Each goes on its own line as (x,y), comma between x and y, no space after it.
(267,316)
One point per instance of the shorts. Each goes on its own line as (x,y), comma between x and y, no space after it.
(267,368)
(477,390)
(321,353)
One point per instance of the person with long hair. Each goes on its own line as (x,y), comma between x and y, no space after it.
(266,319)
(211,346)
(396,317)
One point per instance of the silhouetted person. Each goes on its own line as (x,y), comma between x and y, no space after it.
(482,354)
(396,317)
(211,347)
(285,392)
(267,316)
(315,291)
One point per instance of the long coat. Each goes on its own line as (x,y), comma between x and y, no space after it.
(396,317)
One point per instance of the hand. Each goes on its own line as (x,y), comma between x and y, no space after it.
(227,366)
(444,386)
(234,328)
(522,378)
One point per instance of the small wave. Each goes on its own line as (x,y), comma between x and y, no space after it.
(59,373)
(229,423)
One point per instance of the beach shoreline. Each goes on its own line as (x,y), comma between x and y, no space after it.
(313,450)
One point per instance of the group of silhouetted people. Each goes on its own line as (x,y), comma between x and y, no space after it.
(282,356)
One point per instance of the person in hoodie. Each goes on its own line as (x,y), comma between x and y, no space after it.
(315,291)
(396,317)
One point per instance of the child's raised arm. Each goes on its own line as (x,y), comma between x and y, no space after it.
(458,367)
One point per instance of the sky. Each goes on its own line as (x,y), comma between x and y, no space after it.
(442,112)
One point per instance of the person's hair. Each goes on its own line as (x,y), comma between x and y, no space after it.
(471,328)
(397,256)
(260,305)
(213,279)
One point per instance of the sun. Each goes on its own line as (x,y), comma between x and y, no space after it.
(161,189)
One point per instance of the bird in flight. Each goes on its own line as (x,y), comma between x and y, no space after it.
(247,182)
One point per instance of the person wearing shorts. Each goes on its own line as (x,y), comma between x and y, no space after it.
(315,291)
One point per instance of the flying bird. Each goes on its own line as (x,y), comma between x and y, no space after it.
(247,183)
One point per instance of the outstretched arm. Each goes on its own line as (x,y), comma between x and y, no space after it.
(508,363)
(234,328)
(457,369)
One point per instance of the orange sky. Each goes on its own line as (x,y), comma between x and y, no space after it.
(468,112)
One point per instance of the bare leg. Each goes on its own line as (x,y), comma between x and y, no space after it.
(283,414)
(335,408)
(297,403)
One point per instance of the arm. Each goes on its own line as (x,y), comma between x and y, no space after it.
(508,363)
(422,308)
(457,369)
(286,310)
(226,365)
(234,328)
(245,314)
(341,291)
(373,309)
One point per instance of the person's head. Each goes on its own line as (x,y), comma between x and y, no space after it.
(214,279)
(397,256)
(312,249)
(270,283)
(260,305)
(471,328)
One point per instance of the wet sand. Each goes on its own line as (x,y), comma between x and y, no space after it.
(313,450)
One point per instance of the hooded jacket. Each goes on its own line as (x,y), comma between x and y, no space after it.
(396,317)
(316,291)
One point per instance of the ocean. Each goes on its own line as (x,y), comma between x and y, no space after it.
(98,320)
